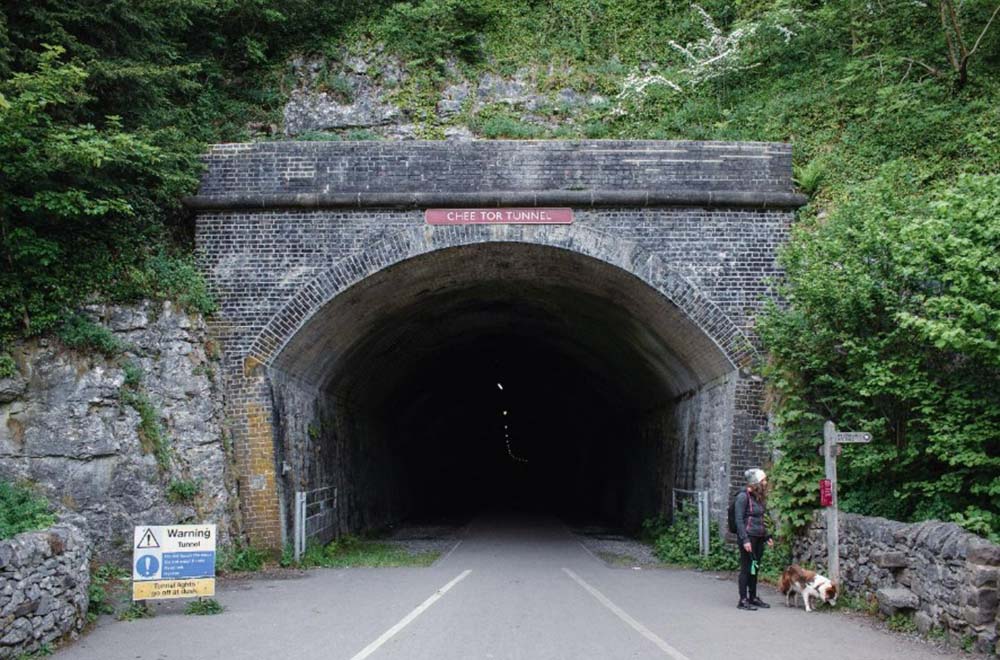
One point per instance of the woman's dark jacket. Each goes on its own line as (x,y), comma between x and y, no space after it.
(749,517)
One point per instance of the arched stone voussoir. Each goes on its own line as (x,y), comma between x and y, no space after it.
(417,241)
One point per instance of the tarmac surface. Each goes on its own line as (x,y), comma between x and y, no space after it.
(509,588)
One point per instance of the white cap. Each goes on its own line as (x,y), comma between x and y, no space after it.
(754,476)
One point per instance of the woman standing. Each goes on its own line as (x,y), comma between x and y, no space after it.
(751,503)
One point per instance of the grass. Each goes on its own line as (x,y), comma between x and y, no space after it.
(152,436)
(182,491)
(352,552)
(43,651)
(136,610)
(239,558)
(22,511)
(615,559)
(204,607)
(857,604)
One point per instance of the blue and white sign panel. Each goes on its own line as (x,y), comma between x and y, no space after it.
(173,560)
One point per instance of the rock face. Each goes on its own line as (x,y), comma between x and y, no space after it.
(74,432)
(946,577)
(360,92)
(44,579)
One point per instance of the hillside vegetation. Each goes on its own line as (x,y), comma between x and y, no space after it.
(893,290)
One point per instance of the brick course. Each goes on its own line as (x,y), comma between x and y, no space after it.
(272,269)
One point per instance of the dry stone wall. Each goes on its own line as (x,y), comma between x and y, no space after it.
(44,579)
(66,426)
(945,577)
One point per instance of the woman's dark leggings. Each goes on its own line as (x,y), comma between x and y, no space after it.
(748,582)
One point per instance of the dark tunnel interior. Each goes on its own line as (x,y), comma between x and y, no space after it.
(494,376)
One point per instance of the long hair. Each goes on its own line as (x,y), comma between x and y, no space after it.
(759,491)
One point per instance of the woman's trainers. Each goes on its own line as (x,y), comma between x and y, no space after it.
(757,602)
(744,604)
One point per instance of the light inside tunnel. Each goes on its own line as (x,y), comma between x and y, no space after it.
(380,394)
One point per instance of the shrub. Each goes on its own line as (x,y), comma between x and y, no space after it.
(427,30)
(81,333)
(239,558)
(152,436)
(503,126)
(104,580)
(136,610)
(22,511)
(183,490)
(8,368)
(678,544)
(809,177)
(891,329)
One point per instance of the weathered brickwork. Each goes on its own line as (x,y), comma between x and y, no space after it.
(414,166)
(273,268)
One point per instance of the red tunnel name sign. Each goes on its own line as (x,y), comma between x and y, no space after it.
(528,216)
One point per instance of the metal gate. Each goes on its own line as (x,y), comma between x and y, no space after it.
(701,498)
(315,517)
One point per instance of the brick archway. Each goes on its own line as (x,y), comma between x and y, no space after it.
(626,255)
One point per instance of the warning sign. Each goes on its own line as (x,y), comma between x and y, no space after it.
(173,561)
(161,589)
(148,540)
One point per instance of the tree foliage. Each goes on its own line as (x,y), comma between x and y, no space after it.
(890,315)
(104,110)
(891,326)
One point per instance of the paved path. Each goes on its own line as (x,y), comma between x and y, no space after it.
(511,589)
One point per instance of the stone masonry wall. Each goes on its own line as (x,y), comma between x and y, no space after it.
(44,579)
(65,426)
(944,576)
(271,264)
(325,444)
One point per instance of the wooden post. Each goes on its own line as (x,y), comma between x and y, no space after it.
(832,531)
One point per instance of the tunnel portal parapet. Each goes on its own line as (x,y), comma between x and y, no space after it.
(285,229)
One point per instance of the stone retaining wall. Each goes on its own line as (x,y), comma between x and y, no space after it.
(44,580)
(944,576)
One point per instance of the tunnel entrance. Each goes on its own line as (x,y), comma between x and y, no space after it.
(499,375)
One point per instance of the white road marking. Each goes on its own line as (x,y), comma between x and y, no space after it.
(448,554)
(624,616)
(406,620)
(591,553)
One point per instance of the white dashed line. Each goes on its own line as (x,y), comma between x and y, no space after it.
(406,620)
(624,616)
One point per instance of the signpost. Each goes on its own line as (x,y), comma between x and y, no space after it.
(831,438)
(174,561)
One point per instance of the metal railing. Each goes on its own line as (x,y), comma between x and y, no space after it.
(315,517)
(701,498)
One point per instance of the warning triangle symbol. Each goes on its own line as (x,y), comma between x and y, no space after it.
(147,540)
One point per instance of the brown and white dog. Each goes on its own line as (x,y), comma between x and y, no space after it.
(797,580)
